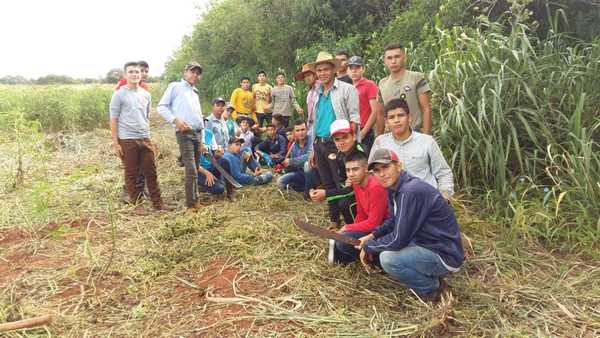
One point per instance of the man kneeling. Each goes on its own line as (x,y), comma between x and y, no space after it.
(371,207)
(420,244)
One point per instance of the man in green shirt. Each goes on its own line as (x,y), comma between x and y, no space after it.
(407,85)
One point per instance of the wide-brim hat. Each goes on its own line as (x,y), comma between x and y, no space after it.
(325,57)
(303,71)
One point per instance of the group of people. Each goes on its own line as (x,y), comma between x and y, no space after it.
(364,148)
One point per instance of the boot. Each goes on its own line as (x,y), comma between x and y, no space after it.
(229,190)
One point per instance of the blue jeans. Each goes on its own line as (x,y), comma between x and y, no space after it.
(346,253)
(299,180)
(252,164)
(416,267)
(217,188)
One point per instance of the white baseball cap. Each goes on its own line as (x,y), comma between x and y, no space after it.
(340,127)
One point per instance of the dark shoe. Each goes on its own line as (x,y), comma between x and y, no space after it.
(124,197)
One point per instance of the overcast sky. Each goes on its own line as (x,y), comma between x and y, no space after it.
(87,38)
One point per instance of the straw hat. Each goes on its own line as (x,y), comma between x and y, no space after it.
(324,57)
(302,72)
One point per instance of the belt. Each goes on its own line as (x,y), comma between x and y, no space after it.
(323,139)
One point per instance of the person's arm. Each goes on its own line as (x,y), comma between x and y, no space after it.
(233,102)
(282,146)
(426,112)
(164,105)
(295,104)
(380,124)
(115,112)
(353,107)
(411,212)
(441,170)
(372,96)
(378,207)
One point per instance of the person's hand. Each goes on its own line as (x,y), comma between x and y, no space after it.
(300,111)
(446,196)
(219,152)
(348,182)
(117,149)
(317,195)
(203,149)
(258,154)
(364,240)
(210,179)
(286,162)
(246,156)
(181,125)
(257,172)
(342,229)
(365,260)
(312,161)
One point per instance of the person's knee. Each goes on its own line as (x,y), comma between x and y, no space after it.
(282,182)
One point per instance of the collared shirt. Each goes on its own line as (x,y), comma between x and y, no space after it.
(311,104)
(219,129)
(344,99)
(325,115)
(299,153)
(131,108)
(283,100)
(247,136)
(407,87)
(181,101)
(421,157)
(367,91)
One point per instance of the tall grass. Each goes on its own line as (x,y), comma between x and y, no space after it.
(522,117)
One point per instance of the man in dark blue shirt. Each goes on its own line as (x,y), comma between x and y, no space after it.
(274,145)
(420,242)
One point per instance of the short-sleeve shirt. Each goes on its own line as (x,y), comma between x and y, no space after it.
(261,96)
(131,108)
(408,87)
(367,91)
(242,101)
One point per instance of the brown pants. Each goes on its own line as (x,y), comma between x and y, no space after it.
(138,156)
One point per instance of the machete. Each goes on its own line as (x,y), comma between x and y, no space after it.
(224,172)
(324,233)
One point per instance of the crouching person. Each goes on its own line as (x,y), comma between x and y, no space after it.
(371,208)
(236,162)
(209,178)
(420,243)
(298,175)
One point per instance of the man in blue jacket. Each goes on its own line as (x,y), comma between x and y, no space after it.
(235,164)
(420,242)
(274,146)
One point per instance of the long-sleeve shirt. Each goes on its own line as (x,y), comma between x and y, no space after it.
(420,156)
(235,166)
(311,105)
(342,190)
(283,99)
(419,215)
(180,100)
(371,206)
(219,129)
(274,146)
(299,153)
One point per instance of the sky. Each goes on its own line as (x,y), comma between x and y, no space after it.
(85,39)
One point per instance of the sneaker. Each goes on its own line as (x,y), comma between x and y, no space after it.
(229,190)
(124,197)
(331,253)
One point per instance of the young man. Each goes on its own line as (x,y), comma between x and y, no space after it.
(235,164)
(307,74)
(336,101)
(289,137)
(404,84)
(144,70)
(262,98)
(419,153)
(243,100)
(277,121)
(217,125)
(139,180)
(342,72)
(371,207)
(274,146)
(246,134)
(180,106)
(420,242)
(232,126)
(339,194)
(130,130)
(283,99)
(298,174)
(367,97)
(209,178)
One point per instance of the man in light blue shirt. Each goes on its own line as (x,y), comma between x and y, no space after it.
(218,125)
(180,106)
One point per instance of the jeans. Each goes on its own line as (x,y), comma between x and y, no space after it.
(328,172)
(368,139)
(346,253)
(218,186)
(416,267)
(189,148)
(138,156)
(263,117)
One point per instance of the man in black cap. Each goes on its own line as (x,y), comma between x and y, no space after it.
(367,100)
(180,106)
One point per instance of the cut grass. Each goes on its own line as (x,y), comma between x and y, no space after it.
(70,249)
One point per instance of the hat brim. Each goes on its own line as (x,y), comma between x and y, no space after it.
(237,140)
(301,74)
(335,62)
(372,164)
(342,131)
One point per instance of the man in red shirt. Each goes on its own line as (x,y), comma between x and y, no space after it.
(367,99)
(144,68)
(371,207)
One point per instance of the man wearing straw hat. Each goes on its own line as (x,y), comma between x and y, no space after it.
(337,100)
